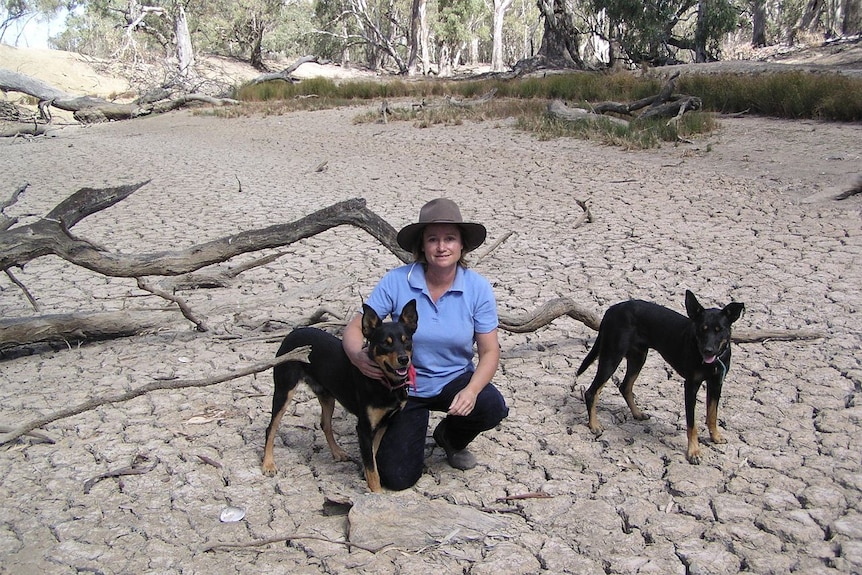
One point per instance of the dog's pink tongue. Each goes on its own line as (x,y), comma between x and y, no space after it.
(709,359)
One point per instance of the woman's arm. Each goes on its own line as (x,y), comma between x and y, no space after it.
(353,343)
(488,346)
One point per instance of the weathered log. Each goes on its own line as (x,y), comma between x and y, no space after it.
(70,327)
(90,109)
(672,109)
(285,75)
(13,129)
(558,109)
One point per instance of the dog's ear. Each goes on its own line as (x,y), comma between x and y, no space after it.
(692,306)
(409,317)
(733,311)
(370,320)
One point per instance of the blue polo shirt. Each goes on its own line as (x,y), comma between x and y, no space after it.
(443,342)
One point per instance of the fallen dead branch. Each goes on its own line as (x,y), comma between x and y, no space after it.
(89,109)
(181,303)
(51,236)
(284,539)
(78,326)
(286,75)
(665,104)
(547,313)
(299,354)
(137,467)
(558,109)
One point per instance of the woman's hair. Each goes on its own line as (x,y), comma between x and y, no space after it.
(419,253)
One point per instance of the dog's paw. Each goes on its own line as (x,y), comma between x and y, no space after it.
(340,455)
(269,469)
(597,430)
(693,458)
(718,439)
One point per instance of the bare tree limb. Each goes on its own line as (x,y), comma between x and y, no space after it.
(286,75)
(299,354)
(49,236)
(286,538)
(181,303)
(23,288)
(559,307)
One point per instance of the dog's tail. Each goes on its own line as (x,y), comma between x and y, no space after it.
(591,356)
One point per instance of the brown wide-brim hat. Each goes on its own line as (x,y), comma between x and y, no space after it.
(442,211)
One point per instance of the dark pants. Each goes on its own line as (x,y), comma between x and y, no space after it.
(401,456)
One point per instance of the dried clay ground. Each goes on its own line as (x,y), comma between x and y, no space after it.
(745,213)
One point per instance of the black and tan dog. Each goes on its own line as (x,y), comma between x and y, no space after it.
(697,347)
(333,378)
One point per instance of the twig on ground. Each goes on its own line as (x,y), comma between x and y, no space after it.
(184,307)
(286,538)
(494,246)
(134,469)
(23,288)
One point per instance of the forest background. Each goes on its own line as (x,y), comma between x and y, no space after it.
(436,37)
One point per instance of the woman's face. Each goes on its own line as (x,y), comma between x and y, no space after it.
(442,244)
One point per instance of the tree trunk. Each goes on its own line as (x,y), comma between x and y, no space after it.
(758,24)
(500,8)
(418,38)
(560,41)
(810,19)
(852,22)
(256,58)
(185,51)
(700,33)
(413,39)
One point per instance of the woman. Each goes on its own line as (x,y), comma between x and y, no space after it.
(456,308)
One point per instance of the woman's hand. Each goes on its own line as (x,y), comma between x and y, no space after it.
(463,403)
(364,364)
(353,344)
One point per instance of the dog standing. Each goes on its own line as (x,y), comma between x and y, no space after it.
(333,378)
(697,347)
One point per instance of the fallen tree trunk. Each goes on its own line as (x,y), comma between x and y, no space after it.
(90,109)
(558,109)
(665,104)
(286,75)
(78,326)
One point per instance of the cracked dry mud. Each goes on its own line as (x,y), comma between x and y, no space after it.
(742,214)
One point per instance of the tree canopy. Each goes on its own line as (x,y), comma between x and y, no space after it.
(445,34)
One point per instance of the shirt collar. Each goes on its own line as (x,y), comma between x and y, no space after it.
(416,278)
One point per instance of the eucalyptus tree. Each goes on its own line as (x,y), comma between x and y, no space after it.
(653,31)
(561,39)
(379,28)
(453,30)
(500,9)
(239,27)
